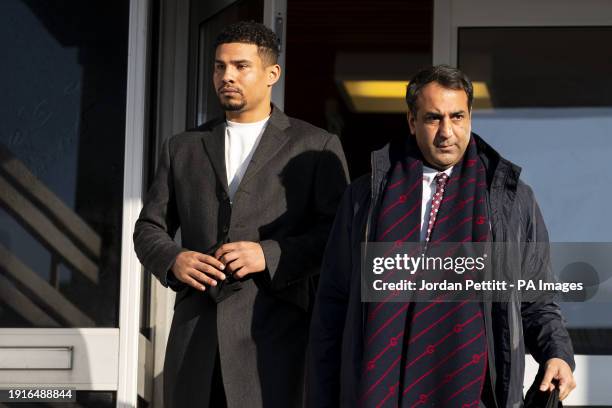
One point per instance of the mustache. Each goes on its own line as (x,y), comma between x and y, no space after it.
(232,88)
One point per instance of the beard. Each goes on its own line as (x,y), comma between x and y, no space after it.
(232,105)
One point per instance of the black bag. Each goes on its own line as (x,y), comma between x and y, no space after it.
(542,399)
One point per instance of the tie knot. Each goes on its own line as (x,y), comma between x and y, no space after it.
(441,179)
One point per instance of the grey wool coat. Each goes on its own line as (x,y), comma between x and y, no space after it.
(286,201)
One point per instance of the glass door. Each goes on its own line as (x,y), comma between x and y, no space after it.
(69,167)
(544,100)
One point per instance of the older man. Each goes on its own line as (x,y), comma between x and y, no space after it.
(442,183)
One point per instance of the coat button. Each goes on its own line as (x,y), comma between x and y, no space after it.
(225,229)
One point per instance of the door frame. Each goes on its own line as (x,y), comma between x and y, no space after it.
(449,16)
(131,269)
(275,18)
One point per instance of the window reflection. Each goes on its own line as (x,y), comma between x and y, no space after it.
(550,111)
(62,127)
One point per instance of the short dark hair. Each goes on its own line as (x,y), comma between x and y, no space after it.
(445,75)
(251,32)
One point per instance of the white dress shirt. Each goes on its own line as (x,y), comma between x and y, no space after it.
(241,140)
(429,189)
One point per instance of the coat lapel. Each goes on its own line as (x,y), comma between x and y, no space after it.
(214,143)
(272,140)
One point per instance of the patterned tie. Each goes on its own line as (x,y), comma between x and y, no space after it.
(441,179)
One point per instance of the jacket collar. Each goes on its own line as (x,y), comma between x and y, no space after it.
(273,138)
(501,173)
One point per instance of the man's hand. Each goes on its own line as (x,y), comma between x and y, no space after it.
(242,258)
(559,370)
(197,270)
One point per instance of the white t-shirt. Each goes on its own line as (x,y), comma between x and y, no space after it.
(241,140)
(429,189)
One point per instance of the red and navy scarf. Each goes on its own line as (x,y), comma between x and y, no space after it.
(426,354)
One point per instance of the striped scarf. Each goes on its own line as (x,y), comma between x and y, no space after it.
(425,354)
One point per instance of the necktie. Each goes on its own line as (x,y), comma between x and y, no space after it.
(441,179)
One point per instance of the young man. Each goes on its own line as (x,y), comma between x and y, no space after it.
(254,194)
(442,183)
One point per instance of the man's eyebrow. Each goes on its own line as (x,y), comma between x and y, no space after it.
(434,114)
(235,62)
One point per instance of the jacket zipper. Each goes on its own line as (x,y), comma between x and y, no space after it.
(490,368)
(366,237)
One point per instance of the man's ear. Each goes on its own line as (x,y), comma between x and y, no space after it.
(411,123)
(273,73)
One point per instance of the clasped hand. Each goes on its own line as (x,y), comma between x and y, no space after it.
(238,259)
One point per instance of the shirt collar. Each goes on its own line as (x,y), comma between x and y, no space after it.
(259,123)
(430,173)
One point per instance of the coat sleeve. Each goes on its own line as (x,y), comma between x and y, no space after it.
(544,328)
(329,314)
(298,257)
(158,223)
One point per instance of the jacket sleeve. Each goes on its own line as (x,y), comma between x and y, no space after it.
(544,328)
(158,223)
(298,257)
(329,315)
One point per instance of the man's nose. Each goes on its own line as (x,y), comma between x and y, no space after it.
(446,128)
(228,75)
